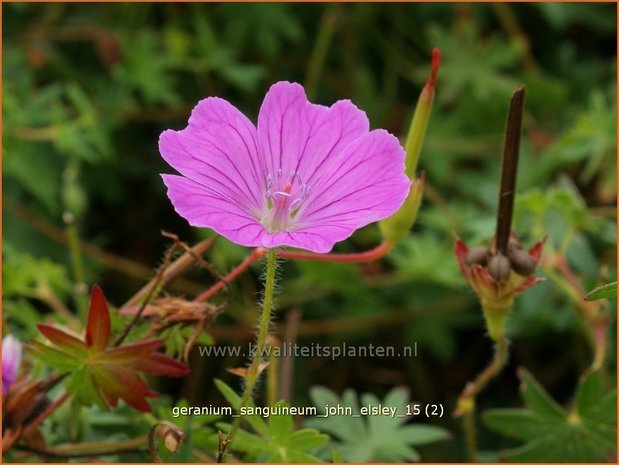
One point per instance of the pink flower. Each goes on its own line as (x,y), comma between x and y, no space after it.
(307,176)
(11,359)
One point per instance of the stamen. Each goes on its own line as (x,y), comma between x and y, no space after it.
(296,203)
(282,206)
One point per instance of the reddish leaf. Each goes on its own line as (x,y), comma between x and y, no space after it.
(130,352)
(162,365)
(105,375)
(65,342)
(98,327)
(122,383)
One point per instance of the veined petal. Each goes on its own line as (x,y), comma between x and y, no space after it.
(219,150)
(363,184)
(203,207)
(298,136)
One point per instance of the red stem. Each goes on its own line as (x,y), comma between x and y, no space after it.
(241,267)
(362,257)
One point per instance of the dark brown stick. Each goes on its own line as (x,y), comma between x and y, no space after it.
(509,169)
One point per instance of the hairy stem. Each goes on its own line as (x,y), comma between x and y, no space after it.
(263,331)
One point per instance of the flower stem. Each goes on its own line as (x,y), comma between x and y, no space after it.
(263,331)
(361,257)
(466,401)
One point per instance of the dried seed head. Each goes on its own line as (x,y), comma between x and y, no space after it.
(513,244)
(522,262)
(172,435)
(477,255)
(499,268)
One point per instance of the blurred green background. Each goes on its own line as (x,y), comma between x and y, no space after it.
(89,88)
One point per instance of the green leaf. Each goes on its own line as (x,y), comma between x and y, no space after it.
(382,438)
(518,423)
(100,374)
(307,439)
(553,434)
(536,399)
(607,291)
(277,441)
(235,402)
(280,426)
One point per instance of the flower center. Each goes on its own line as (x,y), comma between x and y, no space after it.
(284,197)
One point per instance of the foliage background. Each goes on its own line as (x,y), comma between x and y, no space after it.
(88,89)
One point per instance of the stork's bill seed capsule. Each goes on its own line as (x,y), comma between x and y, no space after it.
(522,262)
(477,255)
(499,268)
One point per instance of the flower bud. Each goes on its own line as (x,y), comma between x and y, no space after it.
(397,226)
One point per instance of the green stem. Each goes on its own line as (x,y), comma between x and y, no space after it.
(76,262)
(468,419)
(319,53)
(263,331)
(466,402)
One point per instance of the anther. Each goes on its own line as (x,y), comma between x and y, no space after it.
(295,204)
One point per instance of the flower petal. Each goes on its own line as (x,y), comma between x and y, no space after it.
(218,149)
(363,184)
(203,207)
(298,136)
(11,355)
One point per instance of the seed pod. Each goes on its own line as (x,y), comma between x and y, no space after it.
(522,262)
(499,268)
(477,255)
(513,244)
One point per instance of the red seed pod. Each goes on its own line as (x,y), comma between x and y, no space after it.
(499,268)
(522,262)
(477,255)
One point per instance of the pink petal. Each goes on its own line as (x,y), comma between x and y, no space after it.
(363,184)
(202,206)
(299,136)
(218,149)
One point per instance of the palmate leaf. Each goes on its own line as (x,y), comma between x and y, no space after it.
(584,433)
(275,439)
(102,375)
(378,437)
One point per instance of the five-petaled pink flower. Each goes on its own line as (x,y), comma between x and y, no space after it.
(306,176)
